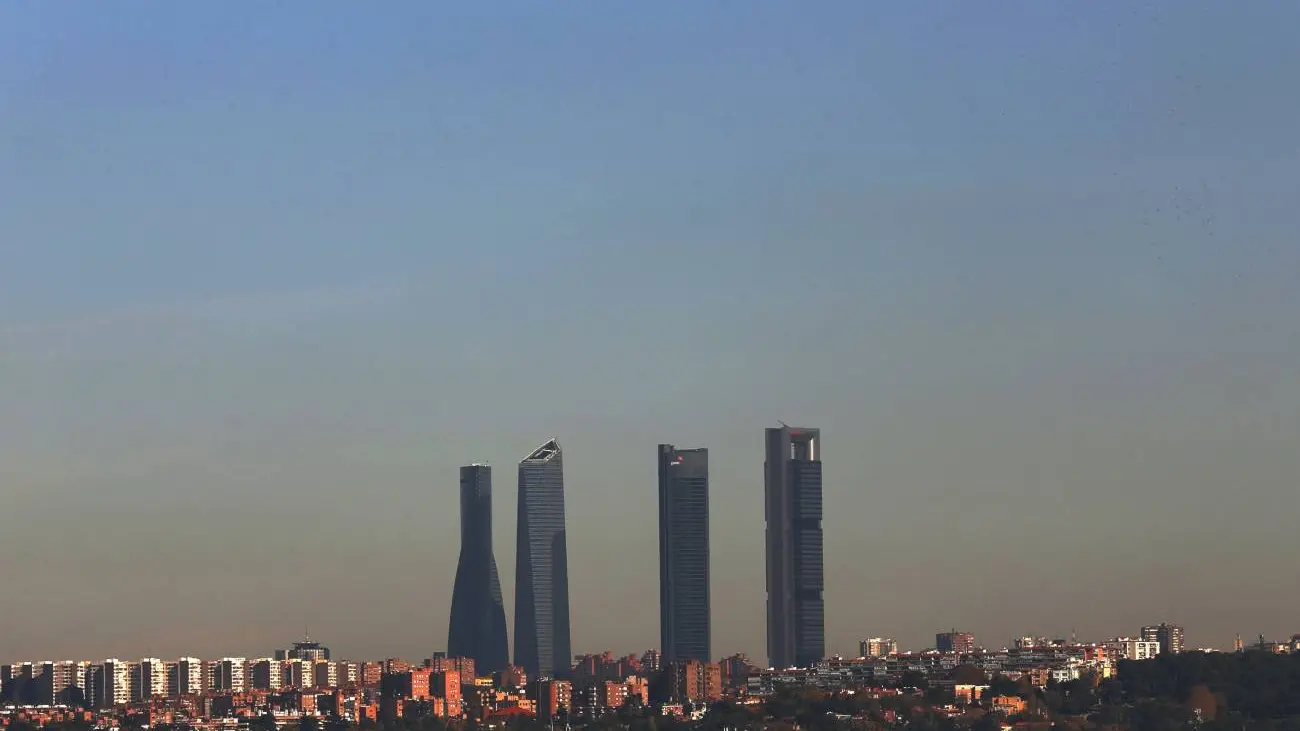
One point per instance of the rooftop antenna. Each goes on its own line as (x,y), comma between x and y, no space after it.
(782,423)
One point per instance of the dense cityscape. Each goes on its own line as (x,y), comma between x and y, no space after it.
(1146,680)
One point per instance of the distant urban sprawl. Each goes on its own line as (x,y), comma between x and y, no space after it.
(476,681)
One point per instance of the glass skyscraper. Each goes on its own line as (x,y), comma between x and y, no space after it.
(542,646)
(796,614)
(478,616)
(684,554)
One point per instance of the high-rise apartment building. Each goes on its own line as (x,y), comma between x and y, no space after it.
(349,674)
(113,684)
(1170,637)
(27,683)
(961,643)
(44,682)
(462,666)
(326,674)
(684,626)
(542,645)
(70,682)
(1128,648)
(693,681)
(189,676)
(478,614)
(796,614)
(878,647)
(298,673)
(554,697)
(266,673)
(232,674)
(150,679)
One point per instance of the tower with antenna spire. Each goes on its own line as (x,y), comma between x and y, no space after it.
(307,649)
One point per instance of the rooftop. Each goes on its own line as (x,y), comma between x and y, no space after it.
(544,453)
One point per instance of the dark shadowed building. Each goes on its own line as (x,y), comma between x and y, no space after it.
(478,615)
(542,645)
(684,554)
(796,614)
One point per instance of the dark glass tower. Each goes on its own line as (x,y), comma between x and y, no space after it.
(683,554)
(796,615)
(478,615)
(542,567)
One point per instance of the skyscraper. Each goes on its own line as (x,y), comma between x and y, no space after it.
(683,554)
(542,646)
(478,615)
(796,615)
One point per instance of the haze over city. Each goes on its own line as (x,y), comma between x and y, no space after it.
(268,278)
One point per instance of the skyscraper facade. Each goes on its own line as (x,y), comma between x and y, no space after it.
(796,614)
(684,554)
(478,615)
(542,645)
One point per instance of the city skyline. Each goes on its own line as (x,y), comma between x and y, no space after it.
(306,681)
(268,279)
(799,448)
(1168,637)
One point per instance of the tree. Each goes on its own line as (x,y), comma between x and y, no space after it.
(936,696)
(630,710)
(1002,685)
(913,679)
(1201,703)
(782,704)
(309,723)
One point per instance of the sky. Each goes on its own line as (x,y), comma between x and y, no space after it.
(271,272)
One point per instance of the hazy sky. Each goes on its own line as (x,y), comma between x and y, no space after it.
(270,272)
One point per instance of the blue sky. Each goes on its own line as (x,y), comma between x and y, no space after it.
(270,272)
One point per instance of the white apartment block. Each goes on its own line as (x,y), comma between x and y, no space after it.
(116,684)
(326,674)
(878,647)
(1127,648)
(1065,674)
(188,677)
(299,673)
(349,673)
(69,675)
(150,679)
(266,674)
(232,674)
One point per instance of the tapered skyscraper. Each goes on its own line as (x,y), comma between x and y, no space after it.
(478,615)
(542,567)
(683,554)
(796,615)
